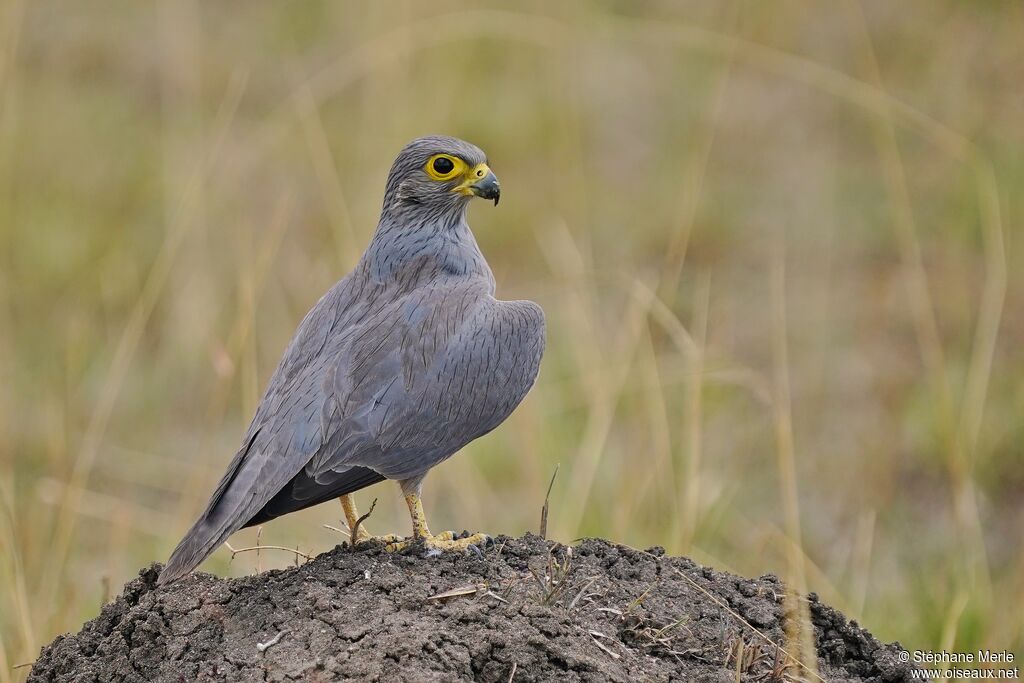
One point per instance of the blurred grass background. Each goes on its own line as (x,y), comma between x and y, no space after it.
(773,242)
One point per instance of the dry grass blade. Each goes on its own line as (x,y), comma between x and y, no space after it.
(5,666)
(491,594)
(800,625)
(660,633)
(259,536)
(132,333)
(574,601)
(327,175)
(554,581)
(639,599)
(544,510)
(959,435)
(599,420)
(471,589)
(13,572)
(597,634)
(753,629)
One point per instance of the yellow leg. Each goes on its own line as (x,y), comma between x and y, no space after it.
(419,519)
(421,533)
(358,533)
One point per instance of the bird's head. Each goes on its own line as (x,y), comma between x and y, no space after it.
(439,174)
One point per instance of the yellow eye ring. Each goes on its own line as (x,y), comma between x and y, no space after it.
(444,167)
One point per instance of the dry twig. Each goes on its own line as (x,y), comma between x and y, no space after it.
(294,551)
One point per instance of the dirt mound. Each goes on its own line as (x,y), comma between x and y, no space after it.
(526,610)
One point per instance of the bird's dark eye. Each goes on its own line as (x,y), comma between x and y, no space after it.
(443,165)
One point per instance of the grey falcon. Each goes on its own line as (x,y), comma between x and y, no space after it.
(400,364)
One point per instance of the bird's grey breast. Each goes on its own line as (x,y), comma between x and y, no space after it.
(426,374)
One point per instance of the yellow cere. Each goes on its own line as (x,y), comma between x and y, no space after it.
(474,175)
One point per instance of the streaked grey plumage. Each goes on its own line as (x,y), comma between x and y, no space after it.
(400,364)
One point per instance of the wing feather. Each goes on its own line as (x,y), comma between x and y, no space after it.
(452,369)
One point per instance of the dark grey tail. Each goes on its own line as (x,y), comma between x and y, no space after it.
(235,505)
(303,492)
(220,519)
(202,539)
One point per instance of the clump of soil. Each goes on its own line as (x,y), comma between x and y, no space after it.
(525,610)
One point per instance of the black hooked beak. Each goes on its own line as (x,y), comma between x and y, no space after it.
(487,187)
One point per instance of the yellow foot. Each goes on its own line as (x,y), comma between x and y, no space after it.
(443,542)
(364,538)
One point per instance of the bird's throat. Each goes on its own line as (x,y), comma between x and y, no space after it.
(409,250)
